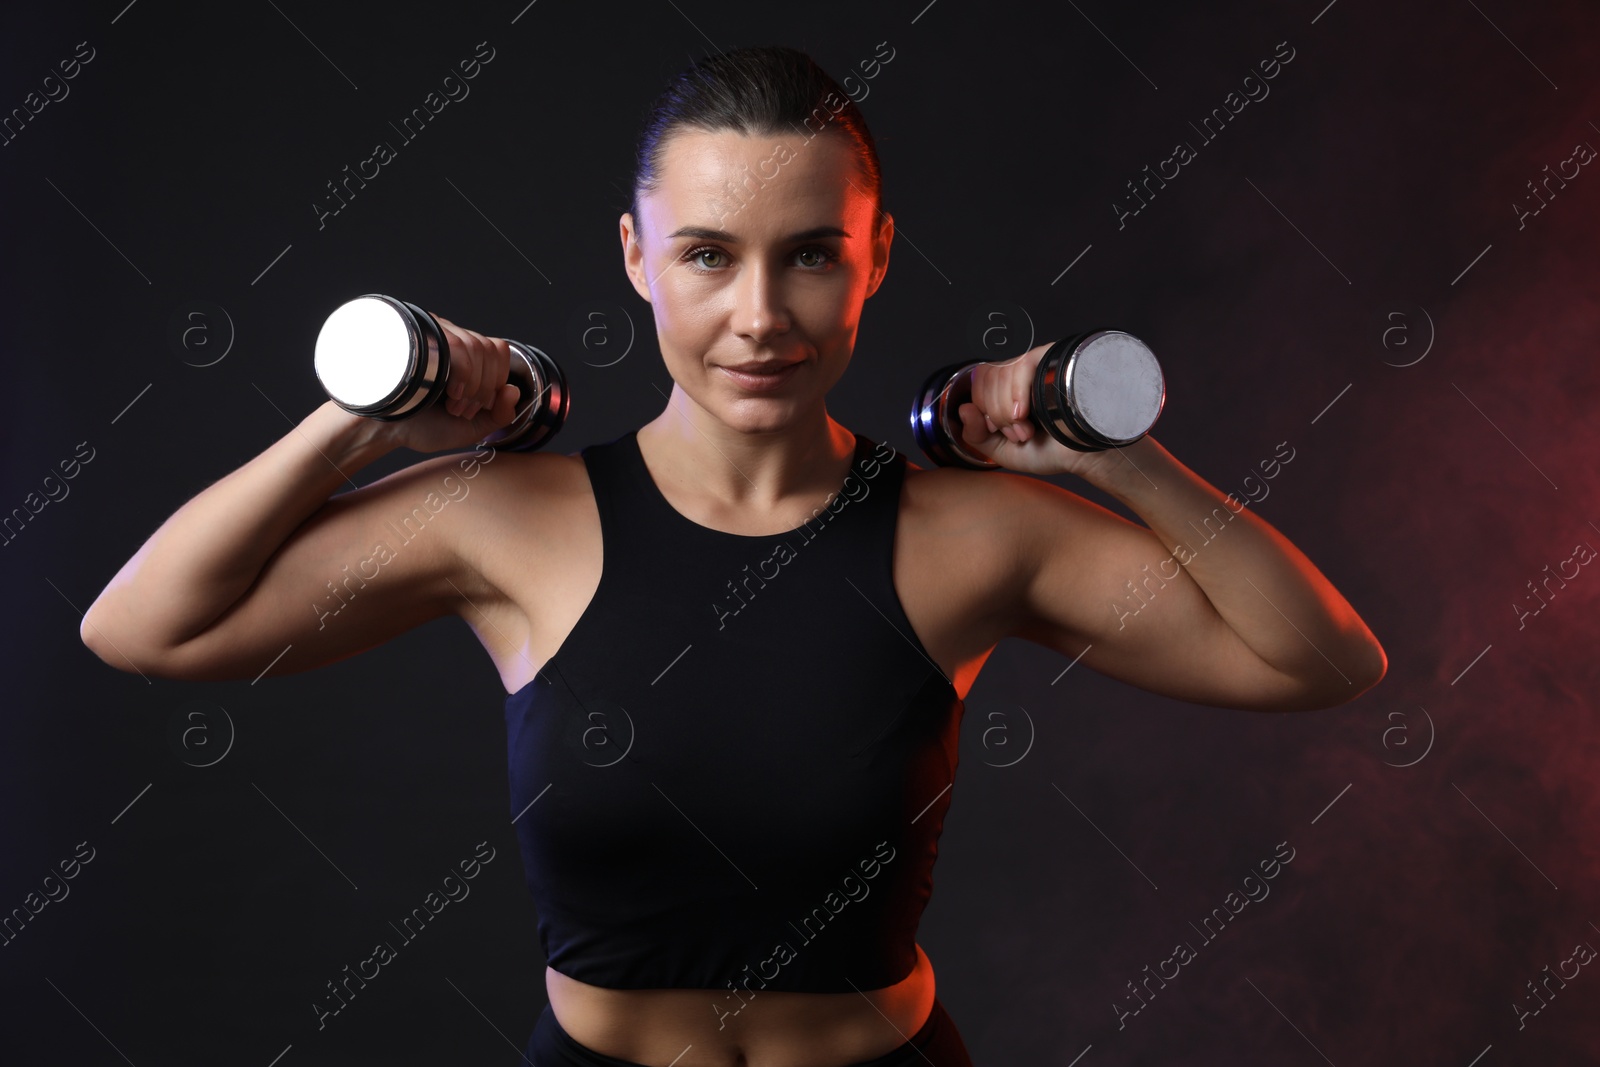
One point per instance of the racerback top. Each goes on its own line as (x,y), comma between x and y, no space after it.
(735,770)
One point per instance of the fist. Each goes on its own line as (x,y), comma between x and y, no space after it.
(477,399)
(997,423)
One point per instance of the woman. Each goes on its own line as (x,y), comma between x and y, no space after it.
(729,816)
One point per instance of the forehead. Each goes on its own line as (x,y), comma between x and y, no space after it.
(756,186)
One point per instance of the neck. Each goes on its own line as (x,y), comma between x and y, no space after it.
(748,471)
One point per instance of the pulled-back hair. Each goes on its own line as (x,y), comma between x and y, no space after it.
(759,92)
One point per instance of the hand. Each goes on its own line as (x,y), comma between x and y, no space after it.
(997,423)
(478,400)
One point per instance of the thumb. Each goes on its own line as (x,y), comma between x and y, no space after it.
(975,430)
(510,398)
(503,410)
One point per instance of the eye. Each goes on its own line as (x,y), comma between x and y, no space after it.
(827,256)
(691,257)
(823,258)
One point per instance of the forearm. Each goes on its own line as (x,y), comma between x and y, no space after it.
(1261,585)
(204,557)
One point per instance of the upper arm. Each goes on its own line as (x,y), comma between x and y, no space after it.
(367,566)
(1093,580)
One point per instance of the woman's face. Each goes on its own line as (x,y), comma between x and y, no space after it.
(756,249)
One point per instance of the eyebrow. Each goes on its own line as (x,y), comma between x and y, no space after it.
(704,234)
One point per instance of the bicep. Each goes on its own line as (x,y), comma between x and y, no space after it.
(367,566)
(1107,588)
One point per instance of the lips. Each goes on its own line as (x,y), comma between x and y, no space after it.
(760,368)
(761,381)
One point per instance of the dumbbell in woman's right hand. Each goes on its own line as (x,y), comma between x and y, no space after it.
(473,406)
(435,385)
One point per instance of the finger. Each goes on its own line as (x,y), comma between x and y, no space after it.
(496,413)
(494,363)
(505,405)
(1013,408)
(497,371)
(983,382)
(472,372)
(993,392)
(1021,428)
(973,430)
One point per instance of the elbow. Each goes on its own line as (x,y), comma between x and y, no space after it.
(120,650)
(1378,663)
(105,647)
(90,634)
(1371,665)
(1359,672)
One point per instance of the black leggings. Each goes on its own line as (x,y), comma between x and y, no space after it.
(937,1044)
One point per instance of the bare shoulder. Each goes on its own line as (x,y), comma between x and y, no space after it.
(533,548)
(530,509)
(509,478)
(984,532)
(958,562)
(960,511)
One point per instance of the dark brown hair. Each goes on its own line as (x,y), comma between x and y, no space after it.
(756,91)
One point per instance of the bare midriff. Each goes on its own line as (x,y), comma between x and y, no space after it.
(695,1027)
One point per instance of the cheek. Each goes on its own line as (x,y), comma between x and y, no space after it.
(687,323)
(681,306)
(697,314)
(835,312)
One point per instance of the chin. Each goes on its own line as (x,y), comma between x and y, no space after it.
(752,415)
(744,416)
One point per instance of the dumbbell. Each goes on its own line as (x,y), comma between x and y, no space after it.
(387,359)
(1091,391)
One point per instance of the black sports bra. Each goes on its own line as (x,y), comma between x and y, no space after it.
(734,772)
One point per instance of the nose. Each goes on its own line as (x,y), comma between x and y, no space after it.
(761,308)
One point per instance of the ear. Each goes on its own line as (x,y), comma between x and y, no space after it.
(880,254)
(633,255)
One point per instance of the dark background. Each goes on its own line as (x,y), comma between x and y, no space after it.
(1342,269)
